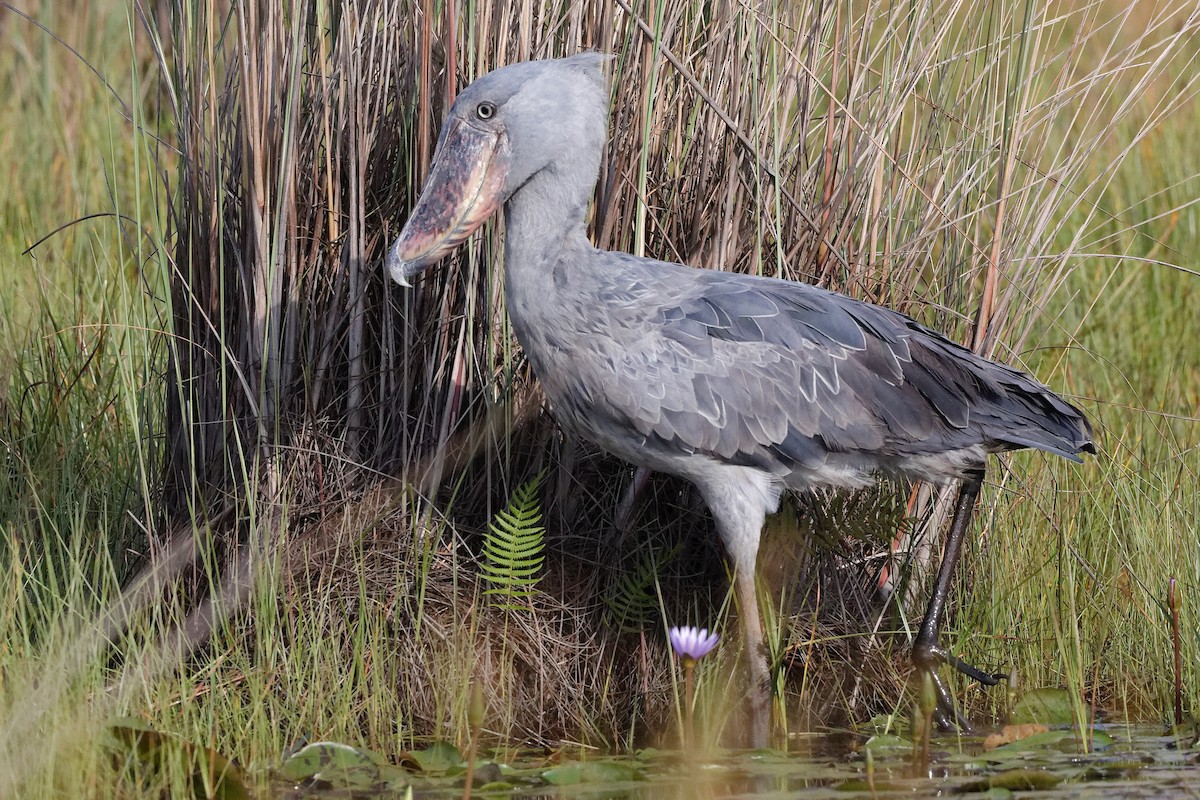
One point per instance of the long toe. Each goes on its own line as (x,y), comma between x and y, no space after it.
(928,659)
(986,678)
(943,710)
(931,655)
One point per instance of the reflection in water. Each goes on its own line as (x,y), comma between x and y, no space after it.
(1124,761)
(1138,761)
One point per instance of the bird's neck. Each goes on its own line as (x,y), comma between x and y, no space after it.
(543,218)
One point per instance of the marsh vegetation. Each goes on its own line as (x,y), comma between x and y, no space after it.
(250,488)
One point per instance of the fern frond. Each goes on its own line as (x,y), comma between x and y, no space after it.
(513,548)
(631,601)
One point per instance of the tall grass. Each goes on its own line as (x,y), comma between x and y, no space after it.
(79,375)
(220,389)
(1120,529)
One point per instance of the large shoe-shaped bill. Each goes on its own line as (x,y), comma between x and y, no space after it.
(464,188)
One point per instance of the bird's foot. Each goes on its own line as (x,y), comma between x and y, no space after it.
(928,658)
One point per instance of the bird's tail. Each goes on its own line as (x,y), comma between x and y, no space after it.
(1035,416)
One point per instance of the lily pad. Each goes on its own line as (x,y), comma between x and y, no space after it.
(1062,741)
(1046,706)
(590,772)
(1014,780)
(439,757)
(1121,767)
(342,766)
(1012,733)
(495,789)
(886,745)
(1057,741)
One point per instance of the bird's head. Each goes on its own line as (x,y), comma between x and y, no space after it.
(502,131)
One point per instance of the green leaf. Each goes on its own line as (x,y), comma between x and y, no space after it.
(1047,706)
(437,757)
(1015,780)
(342,767)
(631,600)
(1063,741)
(886,745)
(590,772)
(512,548)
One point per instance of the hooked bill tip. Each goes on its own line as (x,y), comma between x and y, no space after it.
(463,189)
(396,267)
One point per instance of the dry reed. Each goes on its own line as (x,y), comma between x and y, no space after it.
(890,152)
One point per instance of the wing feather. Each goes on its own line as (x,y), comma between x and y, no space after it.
(782,375)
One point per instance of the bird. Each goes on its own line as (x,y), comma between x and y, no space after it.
(744,385)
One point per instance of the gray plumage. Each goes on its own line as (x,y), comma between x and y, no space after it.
(743,385)
(810,386)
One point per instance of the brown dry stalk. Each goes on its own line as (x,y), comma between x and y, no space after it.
(863,148)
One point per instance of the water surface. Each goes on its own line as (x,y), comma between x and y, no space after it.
(1123,761)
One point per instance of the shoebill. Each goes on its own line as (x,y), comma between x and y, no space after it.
(743,385)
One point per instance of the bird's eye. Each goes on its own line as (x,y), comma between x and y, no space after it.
(485,110)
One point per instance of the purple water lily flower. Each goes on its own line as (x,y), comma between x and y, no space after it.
(692,643)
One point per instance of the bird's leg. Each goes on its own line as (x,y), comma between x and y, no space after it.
(739,500)
(756,655)
(623,518)
(927,652)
